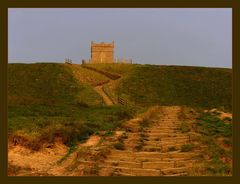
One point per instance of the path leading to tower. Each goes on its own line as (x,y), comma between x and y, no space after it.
(96,78)
(106,99)
(154,150)
(99,88)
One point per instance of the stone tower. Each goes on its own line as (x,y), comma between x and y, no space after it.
(102,52)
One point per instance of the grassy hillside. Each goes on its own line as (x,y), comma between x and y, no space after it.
(45,100)
(51,84)
(117,68)
(87,77)
(174,85)
(179,85)
(59,99)
(51,101)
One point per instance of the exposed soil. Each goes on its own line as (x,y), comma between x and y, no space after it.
(97,86)
(222,115)
(37,161)
(92,141)
(106,99)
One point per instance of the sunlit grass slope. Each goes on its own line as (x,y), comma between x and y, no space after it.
(201,87)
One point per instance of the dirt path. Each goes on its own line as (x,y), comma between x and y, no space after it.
(47,161)
(23,161)
(106,99)
(98,86)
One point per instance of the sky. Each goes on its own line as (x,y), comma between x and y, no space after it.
(162,36)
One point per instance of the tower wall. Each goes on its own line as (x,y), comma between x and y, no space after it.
(102,52)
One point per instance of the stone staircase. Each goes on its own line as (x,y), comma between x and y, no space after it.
(160,153)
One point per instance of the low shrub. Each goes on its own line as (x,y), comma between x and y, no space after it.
(172,148)
(139,146)
(211,125)
(119,146)
(186,147)
(227,142)
(184,127)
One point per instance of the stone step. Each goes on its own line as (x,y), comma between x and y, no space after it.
(167,148)
(134,138)
(123,152)
(178,160)
(163,127)
(159,134)
(174,154)
(165,143)
(152,148)
(169,127)
(174,135)
(166,121)
(164,130)
(170,112)
(132,171)
(167,140)
(157,165)
(118,173)
(161,144)
(159,126)
(118,163)
(162,149)
(124,156)
(169,119)
(184,137)
(164,115)
(179,174)
(184,163)
(171,171)
(159,131)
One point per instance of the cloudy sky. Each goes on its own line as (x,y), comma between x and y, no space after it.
(165,36)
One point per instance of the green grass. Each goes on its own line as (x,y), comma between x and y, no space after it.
(211,125)
(216,166)
(116,68)
(71,149)
(46,100)
(184,127)
(47,84)
(75,126)
(178,85)
(219,169)
(187,147)
(197,87)
(172,148)
(87,77)
(212,128)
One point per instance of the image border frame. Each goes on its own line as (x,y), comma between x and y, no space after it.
(120,4)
